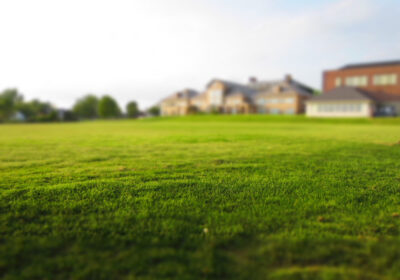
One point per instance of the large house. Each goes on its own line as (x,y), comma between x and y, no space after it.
(282,97)
(226,97)
(359,90)
(178,104)
(285,96)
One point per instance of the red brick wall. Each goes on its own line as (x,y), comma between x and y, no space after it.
(329,78)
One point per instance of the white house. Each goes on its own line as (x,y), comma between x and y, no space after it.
(353,102)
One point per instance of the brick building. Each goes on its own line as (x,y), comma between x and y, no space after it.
(359,90)
(377,77)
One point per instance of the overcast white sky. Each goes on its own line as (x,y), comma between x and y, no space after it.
(143,50)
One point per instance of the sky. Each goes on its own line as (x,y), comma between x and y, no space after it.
(144,50)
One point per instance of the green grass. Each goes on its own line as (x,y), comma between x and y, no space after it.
(210,197)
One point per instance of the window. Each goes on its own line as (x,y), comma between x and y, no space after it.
(275,111)
(289,100)
(357,81)
(386,79)
(262,101)
(339,108)
(216,97)
(198,103)
(289,112)
(338,82)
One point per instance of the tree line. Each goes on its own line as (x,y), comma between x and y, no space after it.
(13,107)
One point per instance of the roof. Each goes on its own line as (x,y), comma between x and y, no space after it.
(252,89)
(383,96)
(342,93)
(189,92)
(371,64)
(235,88)
(291,85)
(186,93)
(353,93)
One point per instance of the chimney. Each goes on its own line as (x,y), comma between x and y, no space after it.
(288,78)
(252,80)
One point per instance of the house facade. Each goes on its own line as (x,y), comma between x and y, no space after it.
(359,90)
(229,98)
(282,97)
(178,104)
(285,96)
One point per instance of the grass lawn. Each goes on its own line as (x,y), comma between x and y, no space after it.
(211,197)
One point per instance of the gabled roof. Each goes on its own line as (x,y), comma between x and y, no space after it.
(186,93)
(190,92)
(354,94)
(371,64)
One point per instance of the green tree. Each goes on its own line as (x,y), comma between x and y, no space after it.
(37,111)
(132,109)
(154,111)
(87,107)
(9,99)
(108,108)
